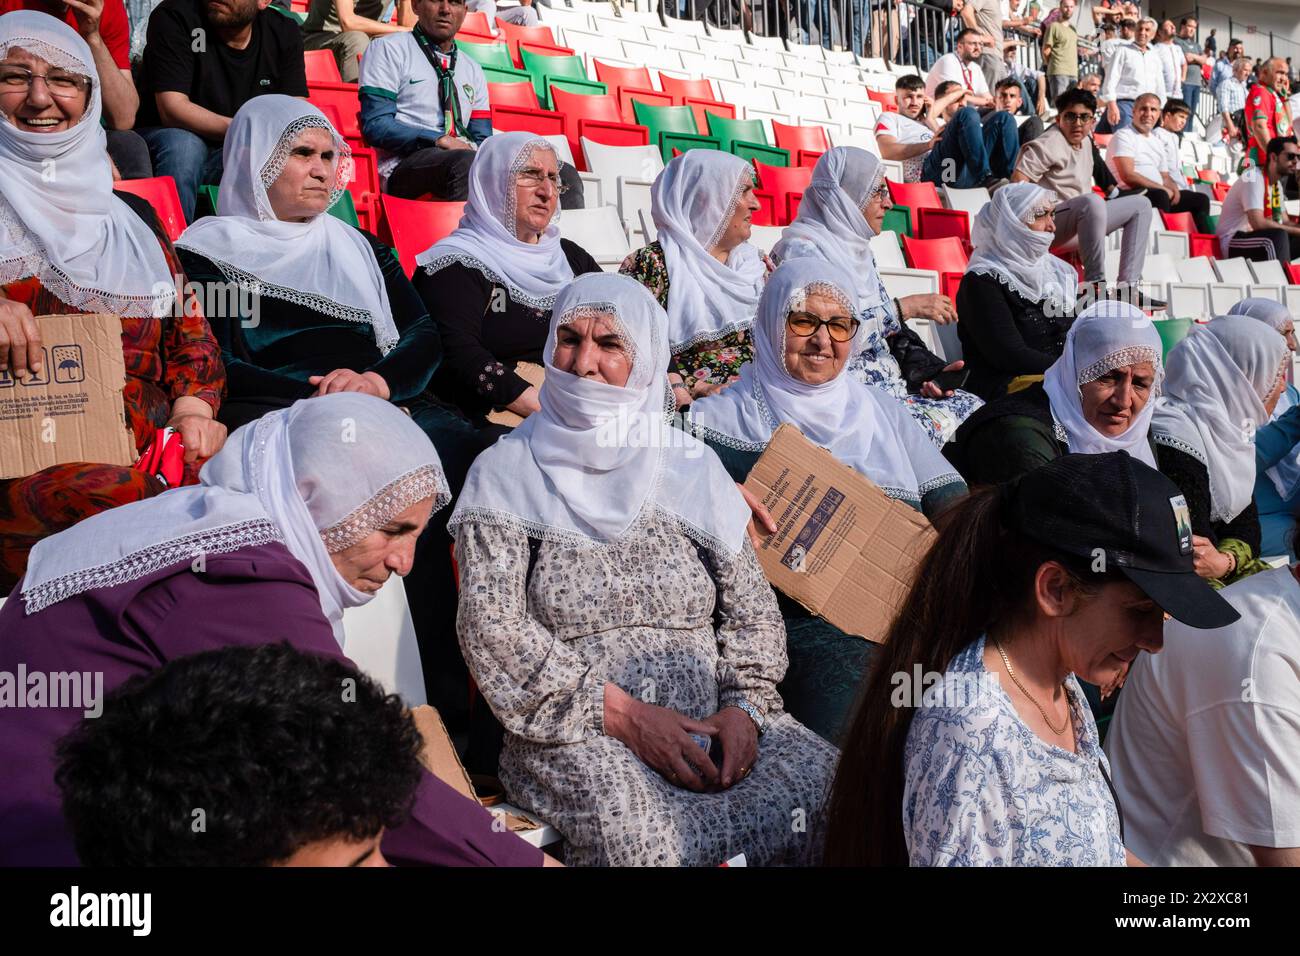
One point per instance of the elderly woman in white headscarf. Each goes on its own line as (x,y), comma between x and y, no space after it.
(1016,301)
(617,621)
(303,514)
(1277,456)
(1098,397)
(702,268)
(70,245)
(491,283)
(806,332)
(1224,381)
(841,211)
(307,305)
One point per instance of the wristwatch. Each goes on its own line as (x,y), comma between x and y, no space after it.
(754,715)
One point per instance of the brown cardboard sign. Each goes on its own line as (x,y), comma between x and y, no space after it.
(842,548)
(439,757)
(533,375)
(72,410)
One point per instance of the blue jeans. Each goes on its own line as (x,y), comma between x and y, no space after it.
(970,151)
(1192,96)
(185,157)
(1125,118)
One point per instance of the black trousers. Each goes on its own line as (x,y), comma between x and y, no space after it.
(1198,204)
(445,174)
(1260,245)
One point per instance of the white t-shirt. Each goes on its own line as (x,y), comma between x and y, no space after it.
(1205,745)
(395,67)
(950,67)
(1246,193)
(1172,59)
(906,131)
(1149,153)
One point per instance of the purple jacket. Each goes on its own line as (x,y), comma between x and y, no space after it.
(251,596)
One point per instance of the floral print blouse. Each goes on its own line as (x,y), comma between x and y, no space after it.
(711,363)
(982,789)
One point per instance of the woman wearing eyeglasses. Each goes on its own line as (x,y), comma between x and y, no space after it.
(804,336)
(70,245)
(490,285)
(842,210)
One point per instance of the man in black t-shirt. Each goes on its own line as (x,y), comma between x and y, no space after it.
(202,61)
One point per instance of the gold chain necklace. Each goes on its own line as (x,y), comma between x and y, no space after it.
(1006,662)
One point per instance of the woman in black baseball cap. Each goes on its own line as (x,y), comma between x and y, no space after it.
(1065,574)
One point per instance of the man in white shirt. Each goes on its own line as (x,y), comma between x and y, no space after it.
(1171,58)
(962,66)
(1142,156)
(1253,222)
(1204,748)
(1134,70)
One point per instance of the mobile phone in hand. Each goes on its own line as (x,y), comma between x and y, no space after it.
(950,381)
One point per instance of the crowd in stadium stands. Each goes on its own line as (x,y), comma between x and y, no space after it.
(1113,488)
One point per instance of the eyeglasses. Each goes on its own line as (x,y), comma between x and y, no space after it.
(880,194)
(18,78)
(1079,118)
(534,177)
(1290,157)
(841,328)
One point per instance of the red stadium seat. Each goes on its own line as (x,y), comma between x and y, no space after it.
(599,119)
(506,119)
(805,143)
(539,39)
(1220,191)
(628,95)
(700,107)
(321,67)
(160,192)
(765,214)
(513,94)
(416,225)
(345,98)
(786,184)
(945,256)
(1198,243)
(365,188)
(476,24)
(1208,175)
(915,196)
(680,89)
(888,102)
(628,83)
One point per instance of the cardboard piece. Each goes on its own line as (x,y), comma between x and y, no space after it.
(440,759)
(842,548)
(530,373)
(73,410)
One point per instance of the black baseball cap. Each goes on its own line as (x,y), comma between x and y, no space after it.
(1085,505)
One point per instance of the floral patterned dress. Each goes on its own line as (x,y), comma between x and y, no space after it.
(670,623)
(710,363)
(165,359)
(982,789)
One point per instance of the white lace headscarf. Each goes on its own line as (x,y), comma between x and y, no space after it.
(323,264)
(1017,256)
(599,458)
(692,202)
(60,220)
(486,239)
(1217,380)
(318,476)
(1285,475)
(1106,336)
(831,224)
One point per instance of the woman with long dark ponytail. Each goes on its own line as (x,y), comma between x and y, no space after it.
(1027,585)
